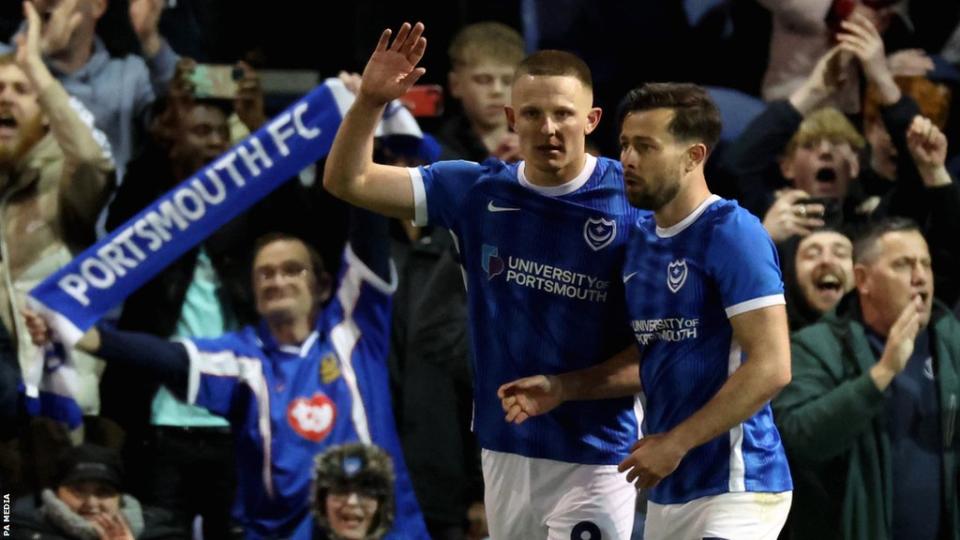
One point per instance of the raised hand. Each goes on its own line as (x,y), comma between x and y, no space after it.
(29,45)
(928,148)
(861,38)
(392,68)
(36,327)
(530,396)
(249,101)
(59,27)
(899,346)
(910,63)
(145,19)
(828,76)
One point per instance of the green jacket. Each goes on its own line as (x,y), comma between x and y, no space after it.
(831,418)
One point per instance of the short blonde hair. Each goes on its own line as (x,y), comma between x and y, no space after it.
(827,123)
(486,42)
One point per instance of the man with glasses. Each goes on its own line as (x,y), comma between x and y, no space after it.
(310,375)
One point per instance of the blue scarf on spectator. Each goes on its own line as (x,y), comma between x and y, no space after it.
(79,294)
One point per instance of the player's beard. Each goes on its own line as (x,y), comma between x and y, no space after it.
(660,190)
(31,130)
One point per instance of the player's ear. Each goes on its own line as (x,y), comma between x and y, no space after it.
(511,117)
(861,279)
(696,155)
(593,119)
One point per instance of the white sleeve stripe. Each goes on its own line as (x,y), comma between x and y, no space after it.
(736,481)
(249,371)
(193,374)
(368,275)
(419,197)
(344,337)
(754,304)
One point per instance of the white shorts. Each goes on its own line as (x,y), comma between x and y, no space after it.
(534,499)
(730,516)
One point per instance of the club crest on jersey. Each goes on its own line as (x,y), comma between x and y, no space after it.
(491,262)
(312,418)
(676,275)
(329,368)
(599,232)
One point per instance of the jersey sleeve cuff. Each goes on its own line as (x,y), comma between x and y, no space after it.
(193,372)
(369,275)
(756,303)
(419,197)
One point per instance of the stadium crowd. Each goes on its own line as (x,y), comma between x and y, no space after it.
(311,368)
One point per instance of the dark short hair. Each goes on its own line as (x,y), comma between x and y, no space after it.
(696,117)
(316,260)
(557,64)
(865,243)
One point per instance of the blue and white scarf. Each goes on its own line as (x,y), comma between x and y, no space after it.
(79,294)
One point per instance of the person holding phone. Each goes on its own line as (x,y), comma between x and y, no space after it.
(796,163)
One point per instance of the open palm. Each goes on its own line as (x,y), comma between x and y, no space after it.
(392,70)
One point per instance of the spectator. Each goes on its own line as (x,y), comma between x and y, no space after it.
(302,379)
(87,502)
(118,91)
(823,169)
(353,492)
(804,30)
(429,358)
(753,157)
(933,101)
(869,418)
(821,165)
(183,455)
(54,179)
(817,272)
(483,57)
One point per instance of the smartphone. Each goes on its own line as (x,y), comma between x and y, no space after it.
(832,211)
(838,12)
(424,100)
(215,81)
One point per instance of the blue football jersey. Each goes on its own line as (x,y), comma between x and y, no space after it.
(287,404)
(683,283)
(542,271)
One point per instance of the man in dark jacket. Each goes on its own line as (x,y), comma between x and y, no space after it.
(869,418)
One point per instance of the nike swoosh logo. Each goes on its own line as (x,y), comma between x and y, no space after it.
(627,277)
(494,208)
